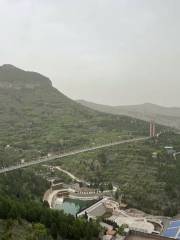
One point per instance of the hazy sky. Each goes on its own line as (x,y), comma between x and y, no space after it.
(107,51)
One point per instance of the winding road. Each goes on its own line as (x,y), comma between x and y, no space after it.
(69,174)
(72,153)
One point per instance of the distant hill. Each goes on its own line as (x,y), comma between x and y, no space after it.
(35,118)
(169,116)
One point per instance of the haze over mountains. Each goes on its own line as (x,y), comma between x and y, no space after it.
(75,169)
(169,116)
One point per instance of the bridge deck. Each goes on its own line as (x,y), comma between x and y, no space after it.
(47,159)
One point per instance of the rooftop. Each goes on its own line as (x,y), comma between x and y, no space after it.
(173,230)
(138,224)
(144,236)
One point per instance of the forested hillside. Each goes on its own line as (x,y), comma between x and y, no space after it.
(145,182)
(23,216)
(36,118)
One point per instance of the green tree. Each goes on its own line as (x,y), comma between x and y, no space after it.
(40,232)
(110,186)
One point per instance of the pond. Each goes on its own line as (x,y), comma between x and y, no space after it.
(72,206)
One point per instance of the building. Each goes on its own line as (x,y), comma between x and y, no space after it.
(155,155)
(22,161)
(170,150)
(132,235)
(104,205)
(134,224)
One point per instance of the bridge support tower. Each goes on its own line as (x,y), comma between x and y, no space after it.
(152,129)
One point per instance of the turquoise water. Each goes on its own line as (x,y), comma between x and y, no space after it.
(73,206)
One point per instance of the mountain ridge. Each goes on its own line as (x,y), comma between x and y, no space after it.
(13,77)
(38,118)
(169,116)
(41,121)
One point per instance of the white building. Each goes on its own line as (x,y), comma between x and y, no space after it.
(133,223)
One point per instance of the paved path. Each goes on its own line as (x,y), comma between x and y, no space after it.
(72,176)
(69,174)
(78,179)
(55,157)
